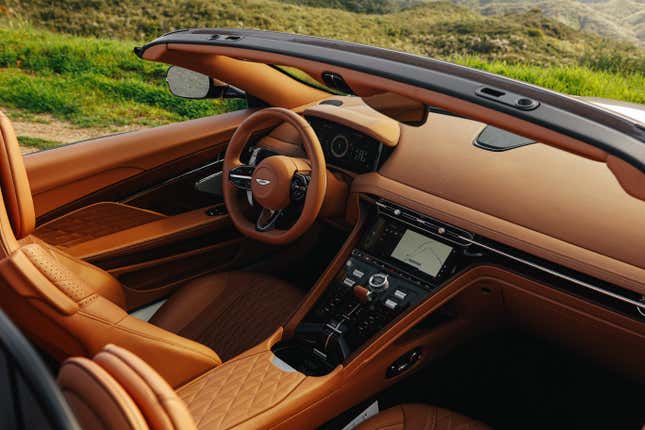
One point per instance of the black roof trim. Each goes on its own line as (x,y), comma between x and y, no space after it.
(567,115)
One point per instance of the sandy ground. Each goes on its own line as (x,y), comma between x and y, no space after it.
(48,128)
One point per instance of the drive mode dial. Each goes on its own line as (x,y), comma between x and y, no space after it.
(378,282)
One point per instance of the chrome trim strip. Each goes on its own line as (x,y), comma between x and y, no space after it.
(639,305)
(236,176)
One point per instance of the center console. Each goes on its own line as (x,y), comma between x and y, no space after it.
(401,259)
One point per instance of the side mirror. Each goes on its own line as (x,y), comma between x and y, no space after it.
(194,85)
(187,83)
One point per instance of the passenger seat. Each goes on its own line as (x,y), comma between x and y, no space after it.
(420,417)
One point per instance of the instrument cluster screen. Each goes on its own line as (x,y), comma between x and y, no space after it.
(421,252)
(345,147)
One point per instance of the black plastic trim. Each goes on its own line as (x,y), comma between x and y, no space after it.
(567,115)
(499,140)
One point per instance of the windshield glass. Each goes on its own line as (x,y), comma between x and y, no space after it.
(306,79)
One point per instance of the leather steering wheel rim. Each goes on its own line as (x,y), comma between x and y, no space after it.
(316,189)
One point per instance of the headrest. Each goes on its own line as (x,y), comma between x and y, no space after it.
(138,396)
(14,183)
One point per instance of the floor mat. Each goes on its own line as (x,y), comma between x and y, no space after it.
(513,381)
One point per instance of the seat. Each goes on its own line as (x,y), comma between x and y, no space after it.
(72,308)
(420,417)
(229,312)
(119,391)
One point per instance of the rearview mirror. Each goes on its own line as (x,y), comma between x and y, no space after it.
(400,108)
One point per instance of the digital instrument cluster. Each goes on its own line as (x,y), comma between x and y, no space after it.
(347,148)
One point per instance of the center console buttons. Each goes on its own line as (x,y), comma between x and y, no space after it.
(400,294)
(390,304)
(349,282)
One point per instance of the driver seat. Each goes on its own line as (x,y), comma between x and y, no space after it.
(69,307)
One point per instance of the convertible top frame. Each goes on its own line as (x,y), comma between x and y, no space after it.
(601,128)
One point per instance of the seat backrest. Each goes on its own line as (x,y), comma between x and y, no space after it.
(66,306)
(119,391)
(16,192)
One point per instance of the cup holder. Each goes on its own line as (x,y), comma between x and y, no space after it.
(301,356)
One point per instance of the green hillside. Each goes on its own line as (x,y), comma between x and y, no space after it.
(73,59)
(439,29)
(624,19)
(621,19)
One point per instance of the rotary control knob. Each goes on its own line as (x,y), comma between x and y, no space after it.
(378,282)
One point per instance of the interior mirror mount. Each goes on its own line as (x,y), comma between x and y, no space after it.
(194,85)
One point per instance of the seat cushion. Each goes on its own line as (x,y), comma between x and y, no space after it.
(229,312)
(420,417)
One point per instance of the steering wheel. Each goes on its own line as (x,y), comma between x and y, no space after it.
(276,182)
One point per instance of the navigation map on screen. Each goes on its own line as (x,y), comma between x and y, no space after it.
(421,252)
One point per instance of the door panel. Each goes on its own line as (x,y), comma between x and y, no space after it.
(114,167)
(150,253)
(127,203)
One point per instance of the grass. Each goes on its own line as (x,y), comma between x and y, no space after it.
(35,142)
(574,80)
(89,82)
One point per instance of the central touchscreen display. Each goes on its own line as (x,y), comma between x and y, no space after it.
(421,252)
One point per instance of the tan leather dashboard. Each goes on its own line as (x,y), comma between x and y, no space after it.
(355,114)
(545,201)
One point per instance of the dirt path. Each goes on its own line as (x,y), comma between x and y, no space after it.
(53,131)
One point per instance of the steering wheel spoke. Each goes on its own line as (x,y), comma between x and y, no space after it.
(299,185)
(267,219)
(240,176)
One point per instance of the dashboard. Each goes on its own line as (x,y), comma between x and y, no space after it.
(347,148)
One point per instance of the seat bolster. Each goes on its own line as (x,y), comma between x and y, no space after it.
(100,322)
(44,293)
(100,281)
(158,402)
(97,400)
